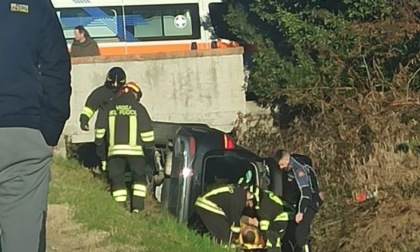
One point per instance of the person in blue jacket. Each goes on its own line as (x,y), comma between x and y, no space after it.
(35,104)
(301,190)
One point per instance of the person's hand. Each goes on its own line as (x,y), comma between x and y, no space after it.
(298,217)
(322,195)
(253,221)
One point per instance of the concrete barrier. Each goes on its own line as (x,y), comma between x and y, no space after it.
(196,86)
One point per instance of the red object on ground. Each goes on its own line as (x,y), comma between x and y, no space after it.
(361,197)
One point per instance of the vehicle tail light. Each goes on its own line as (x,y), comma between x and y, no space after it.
(191,146)
(228,142)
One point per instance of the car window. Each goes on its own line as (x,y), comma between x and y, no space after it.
(225,170)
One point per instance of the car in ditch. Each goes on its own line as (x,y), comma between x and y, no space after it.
(193,157)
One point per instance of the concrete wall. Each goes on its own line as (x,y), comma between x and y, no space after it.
(195,86)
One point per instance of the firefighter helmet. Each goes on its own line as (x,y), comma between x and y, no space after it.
(115,78)
(131,86)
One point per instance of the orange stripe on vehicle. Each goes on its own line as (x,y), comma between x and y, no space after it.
(151,49)
(145,49)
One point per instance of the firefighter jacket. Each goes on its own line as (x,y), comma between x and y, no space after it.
(127,126)
(226,200)
(97,99)
(271,208)
(301,185)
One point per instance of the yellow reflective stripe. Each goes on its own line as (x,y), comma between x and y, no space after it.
(111,123)
(224,189)
(278,243)
(88,112)
(126,147)
(100,133)
(139,187)
(268,244)
(209,206)
(121,192)
(103,165)
(148,136)
(275,198)
(285,216)
(235,229)
(120,198)
(208,202)
(133,131)
(125,152)
(123,149)
(264,224)
(120,195)
(139,194)
(139,190)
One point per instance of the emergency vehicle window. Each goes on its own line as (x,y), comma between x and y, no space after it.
(225,170)
(163,22)
(100,22)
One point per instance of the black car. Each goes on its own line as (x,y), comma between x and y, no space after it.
(194,157)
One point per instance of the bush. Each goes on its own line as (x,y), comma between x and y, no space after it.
(353,146)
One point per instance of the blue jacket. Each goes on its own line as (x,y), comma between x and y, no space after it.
(34,68)
(301,184)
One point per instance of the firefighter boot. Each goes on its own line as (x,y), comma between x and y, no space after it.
(138,204)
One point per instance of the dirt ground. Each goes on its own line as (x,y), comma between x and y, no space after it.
(65,235)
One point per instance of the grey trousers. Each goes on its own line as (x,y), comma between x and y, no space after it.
(25,161)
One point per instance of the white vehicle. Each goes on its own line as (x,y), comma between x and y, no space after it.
(145,26)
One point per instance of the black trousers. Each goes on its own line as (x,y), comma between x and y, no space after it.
(117,168)
(217,225)
(297,235)
(275,234)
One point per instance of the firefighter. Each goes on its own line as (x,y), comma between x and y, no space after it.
(99,97)
(220,210)
(129,137)
(97,100)
(300,189)
(274,215)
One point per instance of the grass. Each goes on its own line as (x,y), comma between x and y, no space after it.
(95,209)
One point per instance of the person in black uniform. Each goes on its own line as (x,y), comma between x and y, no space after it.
(98,98)
(301,190)
(220,209)
(129,137)
(274,215)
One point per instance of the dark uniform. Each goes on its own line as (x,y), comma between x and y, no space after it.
(100,96)
(274,215)
(221,209)
(301,190)
(97,99)
(129,133)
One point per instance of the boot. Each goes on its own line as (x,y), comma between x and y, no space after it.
(138,204)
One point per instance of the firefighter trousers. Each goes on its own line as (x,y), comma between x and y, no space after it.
(275,234)
(218,225)
(297,235)
(116,168)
